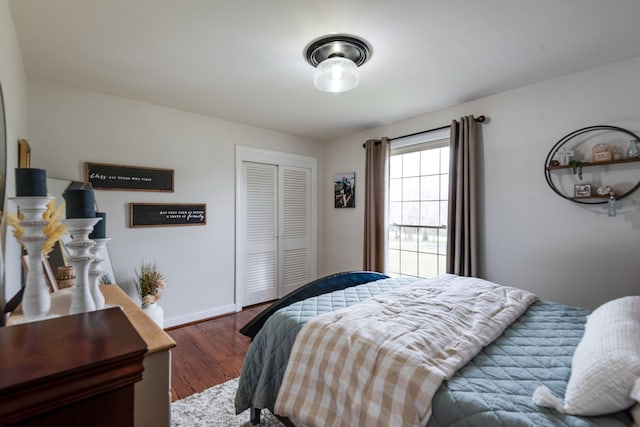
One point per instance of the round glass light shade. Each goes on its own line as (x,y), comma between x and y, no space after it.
(336,74)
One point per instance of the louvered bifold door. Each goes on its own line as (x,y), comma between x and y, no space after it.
(296,267)
(261,260)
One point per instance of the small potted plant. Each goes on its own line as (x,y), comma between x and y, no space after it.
(150,283)
(576,167)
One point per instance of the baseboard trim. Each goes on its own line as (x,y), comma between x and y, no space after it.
(200,315)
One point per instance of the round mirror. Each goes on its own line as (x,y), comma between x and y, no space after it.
(3,173)
(3,152)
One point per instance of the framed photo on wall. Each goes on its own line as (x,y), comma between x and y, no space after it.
(345,190)
(50,278)
(582,190)
(24,154)
(57,257)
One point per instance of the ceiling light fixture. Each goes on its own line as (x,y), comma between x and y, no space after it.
(337,58)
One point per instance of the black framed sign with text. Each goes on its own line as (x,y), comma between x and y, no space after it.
(166,214)
(104,176)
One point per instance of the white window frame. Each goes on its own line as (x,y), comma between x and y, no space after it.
(415,143)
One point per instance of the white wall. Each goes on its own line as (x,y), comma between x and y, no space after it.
(68,127)
(531,237)
(14,86)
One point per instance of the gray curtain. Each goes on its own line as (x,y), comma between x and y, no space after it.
(462,227)
(375,204)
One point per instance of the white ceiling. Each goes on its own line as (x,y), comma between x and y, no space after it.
(242,60)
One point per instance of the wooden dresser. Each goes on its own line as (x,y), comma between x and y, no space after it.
(153,393)
(69,370)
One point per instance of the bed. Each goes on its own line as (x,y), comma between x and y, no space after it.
(493,388)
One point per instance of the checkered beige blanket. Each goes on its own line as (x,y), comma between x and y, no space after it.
(379,362)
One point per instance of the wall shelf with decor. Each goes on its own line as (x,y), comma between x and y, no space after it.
(588,164)
(607,155)
(573,199)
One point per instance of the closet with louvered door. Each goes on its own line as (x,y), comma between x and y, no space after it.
(295,225)
(275,232)
(261,233)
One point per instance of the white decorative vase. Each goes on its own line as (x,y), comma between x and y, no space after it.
(36,300)
(155,312)
(81,259)
(96,272)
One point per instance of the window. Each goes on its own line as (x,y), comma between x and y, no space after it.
(418,205)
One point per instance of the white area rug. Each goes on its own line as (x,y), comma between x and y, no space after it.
(214,407)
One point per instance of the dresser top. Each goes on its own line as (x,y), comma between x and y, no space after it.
(156,338)
(37,351)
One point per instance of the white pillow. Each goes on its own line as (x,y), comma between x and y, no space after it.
(606,362)
(635,411)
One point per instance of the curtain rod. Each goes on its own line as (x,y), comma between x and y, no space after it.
(479,119)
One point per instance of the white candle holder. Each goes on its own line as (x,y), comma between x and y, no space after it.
(36,300)
(81,259)
(96,272)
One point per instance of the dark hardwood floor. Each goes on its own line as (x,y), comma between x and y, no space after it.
(209,352)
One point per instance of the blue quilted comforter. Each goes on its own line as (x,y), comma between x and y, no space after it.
(493,389)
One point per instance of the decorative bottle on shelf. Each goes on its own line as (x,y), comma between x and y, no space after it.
(632,151)
(612,204)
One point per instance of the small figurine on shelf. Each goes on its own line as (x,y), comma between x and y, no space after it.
(601,153)
(616,153)
(563,155)
(604,190)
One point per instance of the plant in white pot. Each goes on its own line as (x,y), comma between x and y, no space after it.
(150,283)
